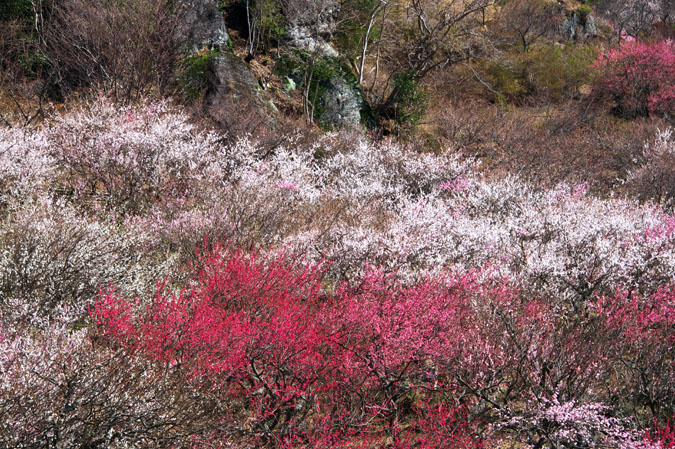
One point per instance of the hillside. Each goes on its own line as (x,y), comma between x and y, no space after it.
(337,224)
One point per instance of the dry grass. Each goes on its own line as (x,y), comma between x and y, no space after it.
(546,144)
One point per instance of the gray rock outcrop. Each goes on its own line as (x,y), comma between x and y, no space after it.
(229,80)
(311,24)
(231,86)
(579,25)
(203,27)
(342,104)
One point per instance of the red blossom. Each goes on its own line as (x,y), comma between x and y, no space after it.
(639,77)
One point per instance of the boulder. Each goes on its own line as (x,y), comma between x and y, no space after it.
(579,24)
(229,78)
(342,103)
(230,84)
(311,24)
(203,27)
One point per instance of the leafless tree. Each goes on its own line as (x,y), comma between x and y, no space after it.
(23,77)
(636,17)
(126,48)
(528,20)
(438,34)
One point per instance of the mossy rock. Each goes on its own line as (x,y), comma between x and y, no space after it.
(193,73)
(333,90)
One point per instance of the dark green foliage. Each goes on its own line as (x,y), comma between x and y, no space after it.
(352,25)
(312,74)
(271,22)
(551,72)
(408,101)
(33,64)
(20,52)
(15,9)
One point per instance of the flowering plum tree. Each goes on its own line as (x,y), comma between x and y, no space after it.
(124,158)
(638,78)
(452,308)
(261,336)
(663,436)
(654,178)
(350,201)
(53,261)
(247,328)
(268,342)
(60,389)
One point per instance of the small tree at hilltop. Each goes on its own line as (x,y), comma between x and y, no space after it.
(528,21)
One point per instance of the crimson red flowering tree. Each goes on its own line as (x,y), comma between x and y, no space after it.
(643,332)
(289,364)
(639,78)
(291,360)
(663,436)
(246,330)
